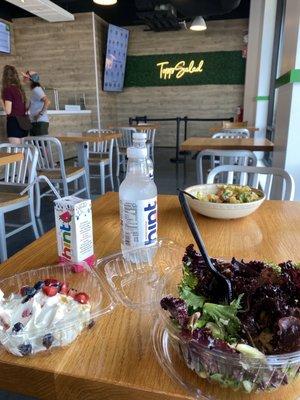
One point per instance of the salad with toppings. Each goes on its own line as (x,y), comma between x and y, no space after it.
(242,344)
(46,315)
(233,194)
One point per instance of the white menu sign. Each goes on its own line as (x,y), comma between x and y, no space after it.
(4,38)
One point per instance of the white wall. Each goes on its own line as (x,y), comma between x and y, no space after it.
(287,132)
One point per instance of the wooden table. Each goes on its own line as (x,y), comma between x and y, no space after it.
(202,143)
(82,141)
(115,360)
(8,158)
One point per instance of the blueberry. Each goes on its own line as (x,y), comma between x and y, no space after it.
(39,285)
(25,349)
(18,327)
(28,291)
(91,324)
(48,340)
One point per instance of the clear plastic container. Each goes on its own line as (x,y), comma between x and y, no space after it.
(234,371)
(141,285)
(63,330)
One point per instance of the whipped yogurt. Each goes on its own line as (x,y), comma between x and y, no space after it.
(41,322)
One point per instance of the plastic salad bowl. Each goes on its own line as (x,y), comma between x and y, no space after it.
(141,278)
(236,371)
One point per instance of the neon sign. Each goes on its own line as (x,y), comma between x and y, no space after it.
(179,70)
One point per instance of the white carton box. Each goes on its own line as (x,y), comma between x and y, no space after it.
(74,230)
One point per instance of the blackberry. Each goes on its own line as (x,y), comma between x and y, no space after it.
(25,349)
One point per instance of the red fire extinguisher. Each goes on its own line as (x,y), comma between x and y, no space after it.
(239,114)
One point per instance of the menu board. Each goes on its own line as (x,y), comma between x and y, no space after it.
(115,62)
(4,38)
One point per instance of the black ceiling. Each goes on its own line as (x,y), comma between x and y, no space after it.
(125,11)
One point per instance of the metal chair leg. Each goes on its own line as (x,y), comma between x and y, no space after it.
(118,163)
(87,186)
(3,248)
(111,176)
(37,199)
(102,177)
(33,221)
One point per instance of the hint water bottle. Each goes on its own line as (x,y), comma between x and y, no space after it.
(139,140)
(138,202)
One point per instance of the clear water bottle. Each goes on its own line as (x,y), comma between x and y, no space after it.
(139,140)
(138,202)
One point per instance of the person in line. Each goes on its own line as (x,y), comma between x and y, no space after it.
(13,100)
(38,105)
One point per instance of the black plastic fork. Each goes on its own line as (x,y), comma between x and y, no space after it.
(222,280)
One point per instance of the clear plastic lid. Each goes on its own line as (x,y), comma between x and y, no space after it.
(135,275)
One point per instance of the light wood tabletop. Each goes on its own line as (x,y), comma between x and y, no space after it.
(8,158)
(202,143)
(115,360)
(71,137)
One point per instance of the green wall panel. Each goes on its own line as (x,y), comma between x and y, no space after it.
(219,68)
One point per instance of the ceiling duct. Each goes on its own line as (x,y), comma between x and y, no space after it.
(192,8)
(44,9)
(158,15)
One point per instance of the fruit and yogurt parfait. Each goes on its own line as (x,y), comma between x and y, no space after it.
(47,315)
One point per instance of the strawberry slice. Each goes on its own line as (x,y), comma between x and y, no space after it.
(82,298)
(50,291)
(64,288)
(52,282)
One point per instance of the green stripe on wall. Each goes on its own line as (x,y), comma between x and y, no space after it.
(257,98)
(292,76)
(219,68)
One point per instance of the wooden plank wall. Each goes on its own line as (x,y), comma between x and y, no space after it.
(195,101)
(107,100)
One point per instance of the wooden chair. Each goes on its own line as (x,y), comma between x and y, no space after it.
(236,173)
(240,157)
(101,155)
(17,176)
(58,173)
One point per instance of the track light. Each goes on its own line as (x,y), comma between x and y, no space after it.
(198,24)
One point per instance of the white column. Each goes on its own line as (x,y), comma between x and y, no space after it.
(259,63)
(287,126)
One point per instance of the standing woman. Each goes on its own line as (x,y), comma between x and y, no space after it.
(38,105)
(14,104)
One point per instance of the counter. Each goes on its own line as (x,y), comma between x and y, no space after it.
(60,121)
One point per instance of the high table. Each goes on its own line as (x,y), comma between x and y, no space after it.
(115,360)
(202,143)
(8,158)
(82,141)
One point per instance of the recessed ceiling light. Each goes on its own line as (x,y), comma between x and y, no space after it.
(106,2)
(198,24)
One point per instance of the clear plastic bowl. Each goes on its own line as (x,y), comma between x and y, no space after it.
(234,371)
(64,332)
(140,278)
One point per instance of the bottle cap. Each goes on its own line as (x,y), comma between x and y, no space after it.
(137,152)
(139,136)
